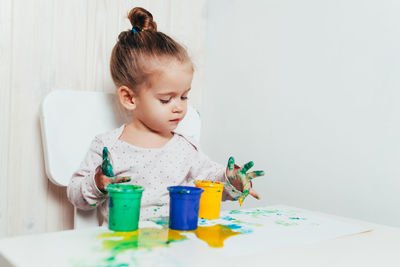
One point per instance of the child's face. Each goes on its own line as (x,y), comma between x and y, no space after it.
(163,104)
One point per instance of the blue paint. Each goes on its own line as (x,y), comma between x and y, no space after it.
(296,218)
(227,218)
(184,207)
(233,226)
(203,222)
(161,220)
(246,231)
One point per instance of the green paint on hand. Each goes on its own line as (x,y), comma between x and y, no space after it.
(106,166)
(247,166)
(231,163)
(255,174)
(240,179)
(122,179)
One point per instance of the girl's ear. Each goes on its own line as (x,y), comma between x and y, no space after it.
(127,98)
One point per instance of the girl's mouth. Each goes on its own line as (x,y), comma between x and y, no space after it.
(175,121)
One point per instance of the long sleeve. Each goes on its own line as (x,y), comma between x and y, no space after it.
(205,169)
(82,190)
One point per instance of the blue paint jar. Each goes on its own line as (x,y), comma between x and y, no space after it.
(184,207)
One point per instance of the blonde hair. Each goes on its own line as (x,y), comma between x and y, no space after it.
(139,52)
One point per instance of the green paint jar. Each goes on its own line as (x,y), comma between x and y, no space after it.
(124,207)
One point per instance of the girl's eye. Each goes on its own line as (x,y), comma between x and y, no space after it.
(184,98)
(165,101)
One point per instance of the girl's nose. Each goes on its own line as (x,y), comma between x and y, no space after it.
(177,107)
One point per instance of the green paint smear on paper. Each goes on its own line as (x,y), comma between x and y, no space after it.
(162,220)
(236,221)
(255,213)
(148,238)
(297,218)
(283,223)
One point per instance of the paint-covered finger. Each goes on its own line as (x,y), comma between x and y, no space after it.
(247,166)
(230,169)
(255,174)
(231,163)
(254,194)
(106,166)
(105,153)
(120,179)
(246,189)
(107,170)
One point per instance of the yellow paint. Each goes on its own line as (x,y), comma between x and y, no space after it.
(148,238)
(214,235)
(241,201)
(210,201)
(144,238)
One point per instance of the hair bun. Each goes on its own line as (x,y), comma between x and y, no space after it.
(142,19)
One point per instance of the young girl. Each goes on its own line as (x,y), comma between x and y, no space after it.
(153,74)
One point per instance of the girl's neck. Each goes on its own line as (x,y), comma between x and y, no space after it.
(138,134)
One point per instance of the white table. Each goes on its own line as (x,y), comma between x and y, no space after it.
(280,236)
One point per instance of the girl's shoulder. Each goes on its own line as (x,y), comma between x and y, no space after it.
(189,141)
(109,138)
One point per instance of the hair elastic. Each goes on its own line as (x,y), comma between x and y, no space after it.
(135,30)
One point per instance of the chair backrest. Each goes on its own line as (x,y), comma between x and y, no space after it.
(71,119)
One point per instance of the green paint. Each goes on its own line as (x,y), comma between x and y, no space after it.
(254,213)
(247,166)
(106,166)
(255,174)
(283,217)
(107,169)
(283,223)
(124,188)
(270,211)
(93,205)
(239,222)
(179,190)
(162,220)
(231,163)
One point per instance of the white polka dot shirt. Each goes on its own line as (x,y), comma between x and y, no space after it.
(179,162)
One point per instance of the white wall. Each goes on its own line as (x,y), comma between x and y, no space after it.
(310,91)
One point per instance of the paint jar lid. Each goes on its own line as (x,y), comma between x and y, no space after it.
(185,190)
(213,184)
(124,188)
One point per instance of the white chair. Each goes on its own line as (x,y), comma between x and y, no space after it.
(69,122)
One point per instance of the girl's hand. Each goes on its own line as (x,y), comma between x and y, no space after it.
(106,176)
(241,180)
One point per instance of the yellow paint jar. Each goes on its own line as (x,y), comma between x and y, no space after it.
(210,201)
